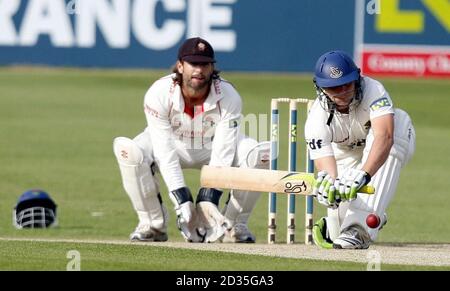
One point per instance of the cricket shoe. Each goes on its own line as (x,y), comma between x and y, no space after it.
(239,233)
(352,237)
(146,233)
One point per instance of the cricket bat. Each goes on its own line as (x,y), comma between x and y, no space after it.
(262,180)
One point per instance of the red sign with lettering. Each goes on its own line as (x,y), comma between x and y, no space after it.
(411,63)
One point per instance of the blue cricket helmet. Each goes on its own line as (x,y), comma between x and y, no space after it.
(34,209)
(335,68)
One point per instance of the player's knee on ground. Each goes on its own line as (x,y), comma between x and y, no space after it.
(386,179)
(385,182)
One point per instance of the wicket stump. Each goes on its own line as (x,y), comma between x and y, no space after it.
(292,165)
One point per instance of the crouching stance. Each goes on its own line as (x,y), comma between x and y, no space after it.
(356,137)
(193,119)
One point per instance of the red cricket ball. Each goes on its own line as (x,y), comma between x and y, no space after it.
(372,220)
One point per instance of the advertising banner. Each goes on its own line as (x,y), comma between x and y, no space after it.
(407,38)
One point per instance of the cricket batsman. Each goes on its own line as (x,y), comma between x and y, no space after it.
(355,137)
(193,119)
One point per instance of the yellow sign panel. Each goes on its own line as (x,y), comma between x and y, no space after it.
(393,20)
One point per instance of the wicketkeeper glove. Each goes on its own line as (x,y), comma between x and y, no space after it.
(187,220)
(207,208)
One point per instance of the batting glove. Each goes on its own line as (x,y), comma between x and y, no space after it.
(324,190)
(350,182)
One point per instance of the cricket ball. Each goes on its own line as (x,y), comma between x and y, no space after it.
(372,220)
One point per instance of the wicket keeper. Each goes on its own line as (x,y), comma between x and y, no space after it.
(193,119)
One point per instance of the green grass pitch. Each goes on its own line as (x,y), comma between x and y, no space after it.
(57,127)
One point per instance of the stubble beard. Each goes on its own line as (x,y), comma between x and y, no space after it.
(198,86)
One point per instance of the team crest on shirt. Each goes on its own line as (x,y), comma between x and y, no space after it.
(335,73)
(209,121)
